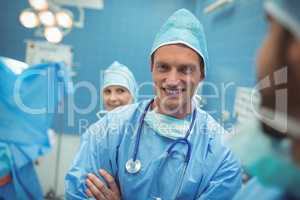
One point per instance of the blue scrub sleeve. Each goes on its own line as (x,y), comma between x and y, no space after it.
(93,155)
(226,181)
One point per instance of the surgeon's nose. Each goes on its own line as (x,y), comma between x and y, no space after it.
(172,79)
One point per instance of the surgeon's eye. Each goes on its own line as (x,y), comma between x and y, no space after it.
(161,67)
(186,69)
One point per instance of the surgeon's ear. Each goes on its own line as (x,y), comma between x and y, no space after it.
(152,62)
(293,54)
(202,71)
(202,77)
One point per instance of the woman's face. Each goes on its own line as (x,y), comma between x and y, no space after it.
(115,96)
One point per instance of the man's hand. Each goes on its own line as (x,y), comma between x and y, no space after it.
(98,190)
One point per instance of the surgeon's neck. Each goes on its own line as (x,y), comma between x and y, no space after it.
(178,113)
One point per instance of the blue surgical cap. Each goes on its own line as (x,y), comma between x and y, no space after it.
(286,12)
(183,28)
(119,75)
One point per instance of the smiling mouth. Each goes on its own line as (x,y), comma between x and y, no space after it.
(113,105)
(173,92)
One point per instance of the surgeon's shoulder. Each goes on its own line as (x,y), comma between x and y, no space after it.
(214,131)
(219,154)
(216,144)
(209,124)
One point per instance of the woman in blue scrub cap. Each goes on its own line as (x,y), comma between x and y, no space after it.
(119,86)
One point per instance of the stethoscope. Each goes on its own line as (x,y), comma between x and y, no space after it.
(134,165)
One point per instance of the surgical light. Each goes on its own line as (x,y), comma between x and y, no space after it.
(50,20)
(64,19)
(39,4)
(29,19)
(53,34)
(47,18)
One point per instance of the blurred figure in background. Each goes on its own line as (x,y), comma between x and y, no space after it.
(270,148)
(26,113)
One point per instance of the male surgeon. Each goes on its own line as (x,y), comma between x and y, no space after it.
(164,148)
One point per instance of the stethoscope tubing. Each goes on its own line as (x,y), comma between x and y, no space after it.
(180,140)
(137,144)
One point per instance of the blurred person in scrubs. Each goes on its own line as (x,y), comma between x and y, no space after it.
(270,147)
(23,126)
(163,148)
(119,87)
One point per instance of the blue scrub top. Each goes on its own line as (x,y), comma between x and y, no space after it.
(212,173)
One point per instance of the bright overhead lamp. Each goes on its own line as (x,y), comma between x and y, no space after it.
(53,34)
(51,20)
(29,19)
(47,18)
(64,19)
(39,4)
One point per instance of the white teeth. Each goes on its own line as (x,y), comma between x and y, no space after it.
(172,91)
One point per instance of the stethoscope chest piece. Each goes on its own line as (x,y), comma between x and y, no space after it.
(133,167)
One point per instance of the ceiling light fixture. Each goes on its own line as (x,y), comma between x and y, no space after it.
(29,19)
(51,20)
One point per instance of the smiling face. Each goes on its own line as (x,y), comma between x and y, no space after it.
(176,72)
(115,96)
